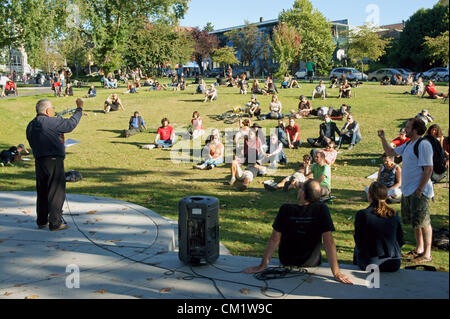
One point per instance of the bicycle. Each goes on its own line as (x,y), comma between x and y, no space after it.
(234,115)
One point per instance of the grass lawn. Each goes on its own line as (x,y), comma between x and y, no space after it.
(116,167)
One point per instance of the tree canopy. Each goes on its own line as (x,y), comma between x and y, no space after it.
(315,32)
(408,50)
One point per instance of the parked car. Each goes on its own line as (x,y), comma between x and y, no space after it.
(436,73)
(350,73)
(301,73)
(380,74)
(405,72)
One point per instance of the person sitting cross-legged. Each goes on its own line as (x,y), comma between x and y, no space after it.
(275,109)
(390,176)
(378,233)
(165,136)
(298,232)
(213,152)
(136,125)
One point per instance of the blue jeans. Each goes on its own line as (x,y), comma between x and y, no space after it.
(349,139)
(166,143)
(214,161)
(279,116)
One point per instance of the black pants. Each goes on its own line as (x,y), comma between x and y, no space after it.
(51,190)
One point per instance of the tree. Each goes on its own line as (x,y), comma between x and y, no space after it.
(286,46)
(155,45)
(315,31)
(208,27)
(110,23)
(204,45)
(249,42)
(225,55)
(408,50)
(438,48)
(366,43)
(27,22)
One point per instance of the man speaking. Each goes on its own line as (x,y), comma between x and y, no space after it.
(45,133)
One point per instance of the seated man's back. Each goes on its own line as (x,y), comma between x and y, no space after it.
(302,228)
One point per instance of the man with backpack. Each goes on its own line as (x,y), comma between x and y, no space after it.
(417,188)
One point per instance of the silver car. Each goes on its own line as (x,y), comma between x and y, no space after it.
(350,73)
(437,73)
(380,74)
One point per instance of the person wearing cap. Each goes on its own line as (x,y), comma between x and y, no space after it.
(45,134)
(401,139)
(425,117)
(136,125)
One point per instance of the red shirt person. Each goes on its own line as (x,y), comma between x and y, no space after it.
(165,136)
(401,139)
(431,90)
(293,134)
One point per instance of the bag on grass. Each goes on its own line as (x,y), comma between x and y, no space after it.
(73,176)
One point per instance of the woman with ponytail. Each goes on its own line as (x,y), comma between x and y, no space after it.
(378,233)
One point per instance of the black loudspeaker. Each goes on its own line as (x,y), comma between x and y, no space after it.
(198,229)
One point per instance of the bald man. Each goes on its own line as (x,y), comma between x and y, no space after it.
(45,133)
(298,232)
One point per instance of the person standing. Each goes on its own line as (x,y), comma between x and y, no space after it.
(416,187)
(45,134)
(310,70)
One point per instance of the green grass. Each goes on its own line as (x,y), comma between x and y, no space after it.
(116,167)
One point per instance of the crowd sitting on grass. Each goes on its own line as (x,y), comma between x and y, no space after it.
(313,177)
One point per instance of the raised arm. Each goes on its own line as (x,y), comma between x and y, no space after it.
(386,146)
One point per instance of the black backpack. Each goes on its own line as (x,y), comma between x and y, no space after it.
(73,176)
(438,153)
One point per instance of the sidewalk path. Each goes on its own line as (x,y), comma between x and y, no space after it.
(127,251)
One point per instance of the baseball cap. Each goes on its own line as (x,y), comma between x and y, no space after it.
(424,111)
(402,131)
(20,146)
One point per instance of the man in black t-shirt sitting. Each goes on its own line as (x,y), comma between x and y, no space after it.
(298,230)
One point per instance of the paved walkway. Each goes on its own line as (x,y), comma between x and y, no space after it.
(127,251)
(26,91)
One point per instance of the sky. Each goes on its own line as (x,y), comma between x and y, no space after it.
(228,13)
